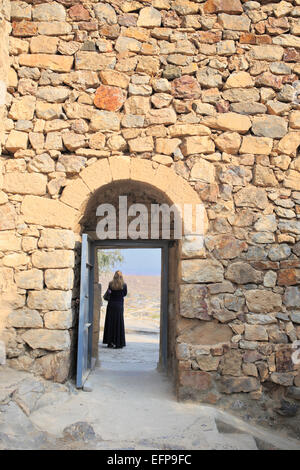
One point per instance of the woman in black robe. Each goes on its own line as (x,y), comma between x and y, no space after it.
(114,329)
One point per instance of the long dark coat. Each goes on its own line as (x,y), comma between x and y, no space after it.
(114,329)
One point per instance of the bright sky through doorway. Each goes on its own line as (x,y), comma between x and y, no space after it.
(141,261)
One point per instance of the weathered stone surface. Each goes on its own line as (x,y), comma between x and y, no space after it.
(226,6)
(256,333)
(23,108)
(16,141)
(269,126)
(243,273)
(239,384)
(53,259)
(225,246)
(49,300)
(109,98)
(7,217)
(58,320)
(250,196)
(47,212)
(25,183)
(49,12)
(195,379)
(263,301)
(51,340)
(291,297)
(25,318)
(47,61)
(86,60)
(31,279)
(196,144)
(186,87)
(256,145)
(105,121)
(193,302)
(201,271)
(149,17)
(105,13)
(59,278)
(114,78)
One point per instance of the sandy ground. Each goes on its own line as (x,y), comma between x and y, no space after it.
(132,406)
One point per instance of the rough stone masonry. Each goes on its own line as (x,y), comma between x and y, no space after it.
(205,94)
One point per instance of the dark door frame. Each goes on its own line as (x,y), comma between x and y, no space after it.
(164,246)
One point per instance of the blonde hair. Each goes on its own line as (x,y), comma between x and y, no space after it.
(118,282)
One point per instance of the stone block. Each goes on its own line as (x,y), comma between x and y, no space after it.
(202,271)
(53,259)
(59,278)
(51,340)
(48,212)
(25,183)
(31,279)
(49,300)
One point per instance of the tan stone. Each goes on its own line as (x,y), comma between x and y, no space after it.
(167,146)
(202,271)
(57,63)
(58,320)
(295,119)
(180,130)
(256,145)
(149,17)
(61,279)
(137,105)
(292,180)
(53,259)
(52,340)
(120,167)
(15,259)
(195,144)
(25,318)
(25,183)
(256,333)
(228,142)
(105,121)
(18,46)
(12,79)
(54,28)
(48,212)
(141,144)
(31,279)
(86,60)
(48,111)
(97,175)
(264,176)
(289,143)
(229,122)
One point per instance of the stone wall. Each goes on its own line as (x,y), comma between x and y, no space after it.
(205,94)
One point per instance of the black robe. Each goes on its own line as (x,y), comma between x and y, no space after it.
(114,329)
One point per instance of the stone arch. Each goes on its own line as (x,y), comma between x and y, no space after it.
(176,189)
